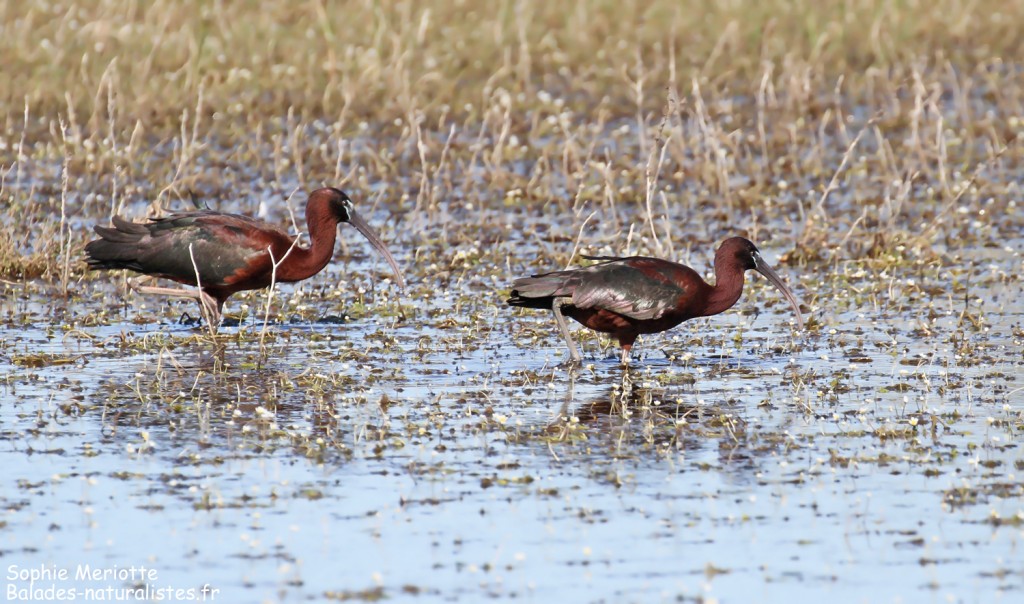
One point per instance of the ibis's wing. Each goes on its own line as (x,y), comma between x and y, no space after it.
(219,245)
(626,287)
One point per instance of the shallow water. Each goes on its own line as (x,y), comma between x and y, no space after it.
(428,446)
(874,458)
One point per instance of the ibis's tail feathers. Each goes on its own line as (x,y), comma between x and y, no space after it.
(118,246)
(540,291)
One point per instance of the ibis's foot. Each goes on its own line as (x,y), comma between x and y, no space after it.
(208,305)
(333,320)
(189,320)
(225,321)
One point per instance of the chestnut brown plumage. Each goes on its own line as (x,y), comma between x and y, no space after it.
(626,297)
(226,253)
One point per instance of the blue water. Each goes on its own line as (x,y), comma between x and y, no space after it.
(470,467)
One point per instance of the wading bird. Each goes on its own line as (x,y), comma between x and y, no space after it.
(626,297)
(222,253)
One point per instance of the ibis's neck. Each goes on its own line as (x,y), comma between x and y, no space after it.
(727,290)
(303,263)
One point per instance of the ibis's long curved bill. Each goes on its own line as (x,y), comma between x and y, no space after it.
(357,221)
(762,267)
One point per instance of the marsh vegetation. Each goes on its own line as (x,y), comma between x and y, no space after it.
(349,441)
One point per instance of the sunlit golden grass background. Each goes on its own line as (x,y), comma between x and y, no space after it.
(386,60)
(850,128)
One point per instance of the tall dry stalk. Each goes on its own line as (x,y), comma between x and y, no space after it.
(65,228)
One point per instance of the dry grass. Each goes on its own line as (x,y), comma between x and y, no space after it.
(365,60)
(846,131)
(875,146)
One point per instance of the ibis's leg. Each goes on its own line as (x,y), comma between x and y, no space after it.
(626,341)
(556,307)
(208,306)
(211,310)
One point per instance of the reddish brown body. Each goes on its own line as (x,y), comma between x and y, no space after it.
(626,297)
(680,305)
(223,254)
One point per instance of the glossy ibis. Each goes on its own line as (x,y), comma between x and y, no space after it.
(626,297)
(222,253)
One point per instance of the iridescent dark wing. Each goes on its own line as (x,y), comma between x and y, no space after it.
(632,287)
(637,287)
(221,245)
